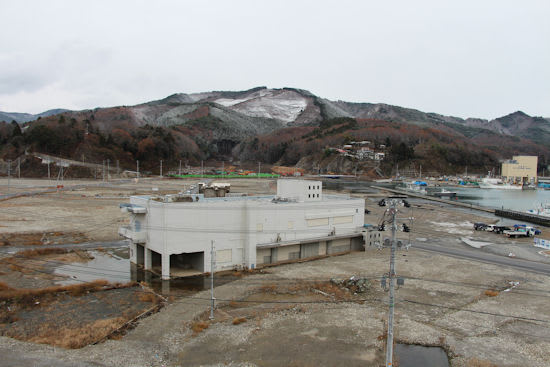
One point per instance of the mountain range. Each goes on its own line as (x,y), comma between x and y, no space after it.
(262,109)
(283,126)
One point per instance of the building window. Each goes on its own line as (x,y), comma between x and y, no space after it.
(317,195)
(309,187)
(309,195)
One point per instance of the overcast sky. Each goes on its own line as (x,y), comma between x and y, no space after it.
(462,58)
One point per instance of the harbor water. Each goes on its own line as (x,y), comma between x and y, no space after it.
(520,200)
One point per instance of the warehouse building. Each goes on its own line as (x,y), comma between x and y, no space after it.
(176,232)
(521,169)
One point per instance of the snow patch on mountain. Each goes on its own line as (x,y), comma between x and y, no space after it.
(283,105)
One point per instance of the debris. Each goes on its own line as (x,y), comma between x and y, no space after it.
(354,284)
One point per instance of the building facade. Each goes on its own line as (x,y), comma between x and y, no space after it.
(177,232)
(520,169)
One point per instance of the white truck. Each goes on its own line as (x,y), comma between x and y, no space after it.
(521,232)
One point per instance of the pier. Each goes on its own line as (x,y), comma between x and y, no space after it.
(526,217)
(439,200)
(505,213)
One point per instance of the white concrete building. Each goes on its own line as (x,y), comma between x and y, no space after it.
(175,231)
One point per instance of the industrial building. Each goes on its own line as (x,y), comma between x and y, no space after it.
(176,232)
(521,169)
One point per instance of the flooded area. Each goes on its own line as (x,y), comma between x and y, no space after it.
(411,355)
(113,265)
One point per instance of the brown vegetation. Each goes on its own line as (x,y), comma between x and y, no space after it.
(76,338)
(148,297)
(491,293)
(30,296)
(42,251)
(238,320)
(474,362)
(199,326)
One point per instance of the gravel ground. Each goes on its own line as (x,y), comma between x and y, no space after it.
(343,333)
(443,302)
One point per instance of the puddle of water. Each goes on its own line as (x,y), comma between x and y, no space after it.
(114,266)
(420,356)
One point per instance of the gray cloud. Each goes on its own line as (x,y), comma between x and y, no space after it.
(468,58)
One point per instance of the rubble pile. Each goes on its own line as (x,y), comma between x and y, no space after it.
(353,284)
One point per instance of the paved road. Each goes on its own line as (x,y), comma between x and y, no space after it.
(478,255)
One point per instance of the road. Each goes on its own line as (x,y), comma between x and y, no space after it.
(478,255)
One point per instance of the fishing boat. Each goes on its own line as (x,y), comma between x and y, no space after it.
(541,209)
(415,188)
(444,193)
(496,183)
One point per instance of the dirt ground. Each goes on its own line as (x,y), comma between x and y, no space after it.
(90,212)
(293,315)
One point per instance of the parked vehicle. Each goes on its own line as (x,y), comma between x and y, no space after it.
(480,226)
(500,229)
(521,232)
(490,228)
(535,230)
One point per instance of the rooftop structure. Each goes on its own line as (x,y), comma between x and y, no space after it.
(176,232)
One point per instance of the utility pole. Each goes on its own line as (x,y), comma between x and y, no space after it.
(137,169)
(117,169)
(49,179)
(18,167)
(389,342)
(9,174)
(212,266)
(161,168)
(108,170)
(202,169)
(223,168)
(420,171)
(103,170)
(179,170)
(258,169)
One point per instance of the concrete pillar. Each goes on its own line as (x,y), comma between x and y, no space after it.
(165,290)
(133,253)
(165,266)
(148,259)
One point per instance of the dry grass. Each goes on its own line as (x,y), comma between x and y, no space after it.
(268,288)
(5,287)
(491,293)
(76,338)
(41,252)
(199,326)
(327,288)
(238,320)
(148,297)
(28,296)
(474,362)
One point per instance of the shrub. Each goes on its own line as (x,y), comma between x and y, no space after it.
(239,320)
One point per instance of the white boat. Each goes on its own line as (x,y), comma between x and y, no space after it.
(414,188)
(542,209)
(496,183)
(444,193)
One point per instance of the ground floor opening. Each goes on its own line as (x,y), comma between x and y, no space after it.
(186,264)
